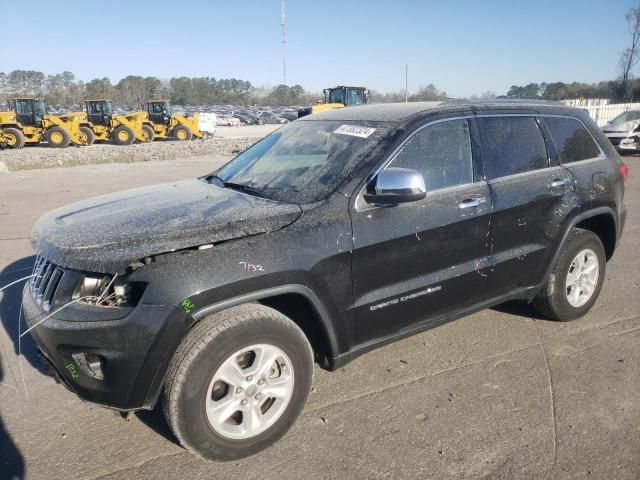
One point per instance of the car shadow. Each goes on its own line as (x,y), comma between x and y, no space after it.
(520,308)
(12,466)
(11,460)
(10,309)
(154,419)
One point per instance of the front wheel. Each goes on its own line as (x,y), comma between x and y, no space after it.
(57,137)
(238,382)
(181,132)
(123,135)
(148,134)
(88,136)
(576,281)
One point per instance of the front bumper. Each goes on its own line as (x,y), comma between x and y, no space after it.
(134,350)
(624,143)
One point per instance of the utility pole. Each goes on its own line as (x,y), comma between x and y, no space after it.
(406,83)
(283,41)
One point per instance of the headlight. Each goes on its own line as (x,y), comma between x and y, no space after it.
(108,291)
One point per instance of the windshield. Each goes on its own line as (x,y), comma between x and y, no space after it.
(23,107)
(626,117)
(354,97)
(39,107)
(96,108)
(159,107)
(336,95)
(303,161)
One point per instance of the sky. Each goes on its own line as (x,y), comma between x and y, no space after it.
(464,47)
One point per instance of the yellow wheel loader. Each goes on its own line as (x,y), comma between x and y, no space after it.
(99,123)
(30,123)
(338,97)
(166,124)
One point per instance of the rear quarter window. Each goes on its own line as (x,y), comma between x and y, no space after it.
(511,145)
(572,140)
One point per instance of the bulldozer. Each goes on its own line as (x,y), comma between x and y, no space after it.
(166,124)
(30,123)
(338,97)
(99,123)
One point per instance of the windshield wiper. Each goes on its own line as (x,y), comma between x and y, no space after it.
(245,188)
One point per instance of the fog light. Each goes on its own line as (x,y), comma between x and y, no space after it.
(89,364)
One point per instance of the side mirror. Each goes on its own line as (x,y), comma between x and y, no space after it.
(396,185)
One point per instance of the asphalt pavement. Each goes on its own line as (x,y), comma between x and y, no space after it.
(499,394)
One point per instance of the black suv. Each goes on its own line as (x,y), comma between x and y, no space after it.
(336,234)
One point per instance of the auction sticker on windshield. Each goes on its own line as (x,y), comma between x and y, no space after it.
(355,131)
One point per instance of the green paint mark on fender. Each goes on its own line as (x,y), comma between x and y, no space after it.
(187,305)
(72,369)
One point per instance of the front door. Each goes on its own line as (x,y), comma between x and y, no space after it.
(416,261)
(158,113)
(25,112)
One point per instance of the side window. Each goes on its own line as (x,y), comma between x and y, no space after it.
(511,145)
(571,139)
(441,152)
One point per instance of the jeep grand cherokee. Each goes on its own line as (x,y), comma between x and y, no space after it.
(334,235)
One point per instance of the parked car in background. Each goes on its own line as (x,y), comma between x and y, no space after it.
(624,131)
(227,120)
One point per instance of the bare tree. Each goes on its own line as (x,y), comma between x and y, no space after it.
(629,57)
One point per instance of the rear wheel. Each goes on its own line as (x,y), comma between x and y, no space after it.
(181,132)
(238,382)
(123,135)
(148,134)
(576,281)
(87,136)
(13,138)
(57,137)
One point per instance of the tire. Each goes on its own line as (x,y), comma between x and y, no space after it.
(557,300)
(57,137)
(123,135)
(182,133)
(223,339)
(89,137)
(14,138)
(149,133)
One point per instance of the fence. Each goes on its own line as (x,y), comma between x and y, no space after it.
(601,110)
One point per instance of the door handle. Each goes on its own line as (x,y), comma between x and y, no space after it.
(559,182)
(469,203)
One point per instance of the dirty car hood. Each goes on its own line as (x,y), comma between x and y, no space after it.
(107,233)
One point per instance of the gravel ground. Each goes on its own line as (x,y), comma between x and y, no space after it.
(228,141)
(501,394)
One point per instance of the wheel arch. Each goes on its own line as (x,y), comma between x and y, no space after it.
(298,303)
(604,226)
(601,219)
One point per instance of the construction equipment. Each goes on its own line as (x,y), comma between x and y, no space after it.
(99,123)
(338,97)
(31,123)
(166,124)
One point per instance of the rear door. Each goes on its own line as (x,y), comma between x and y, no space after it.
(594,174)
(416,261)
(530,196)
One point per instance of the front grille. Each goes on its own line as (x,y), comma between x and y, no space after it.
(615,141)
(46,279)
